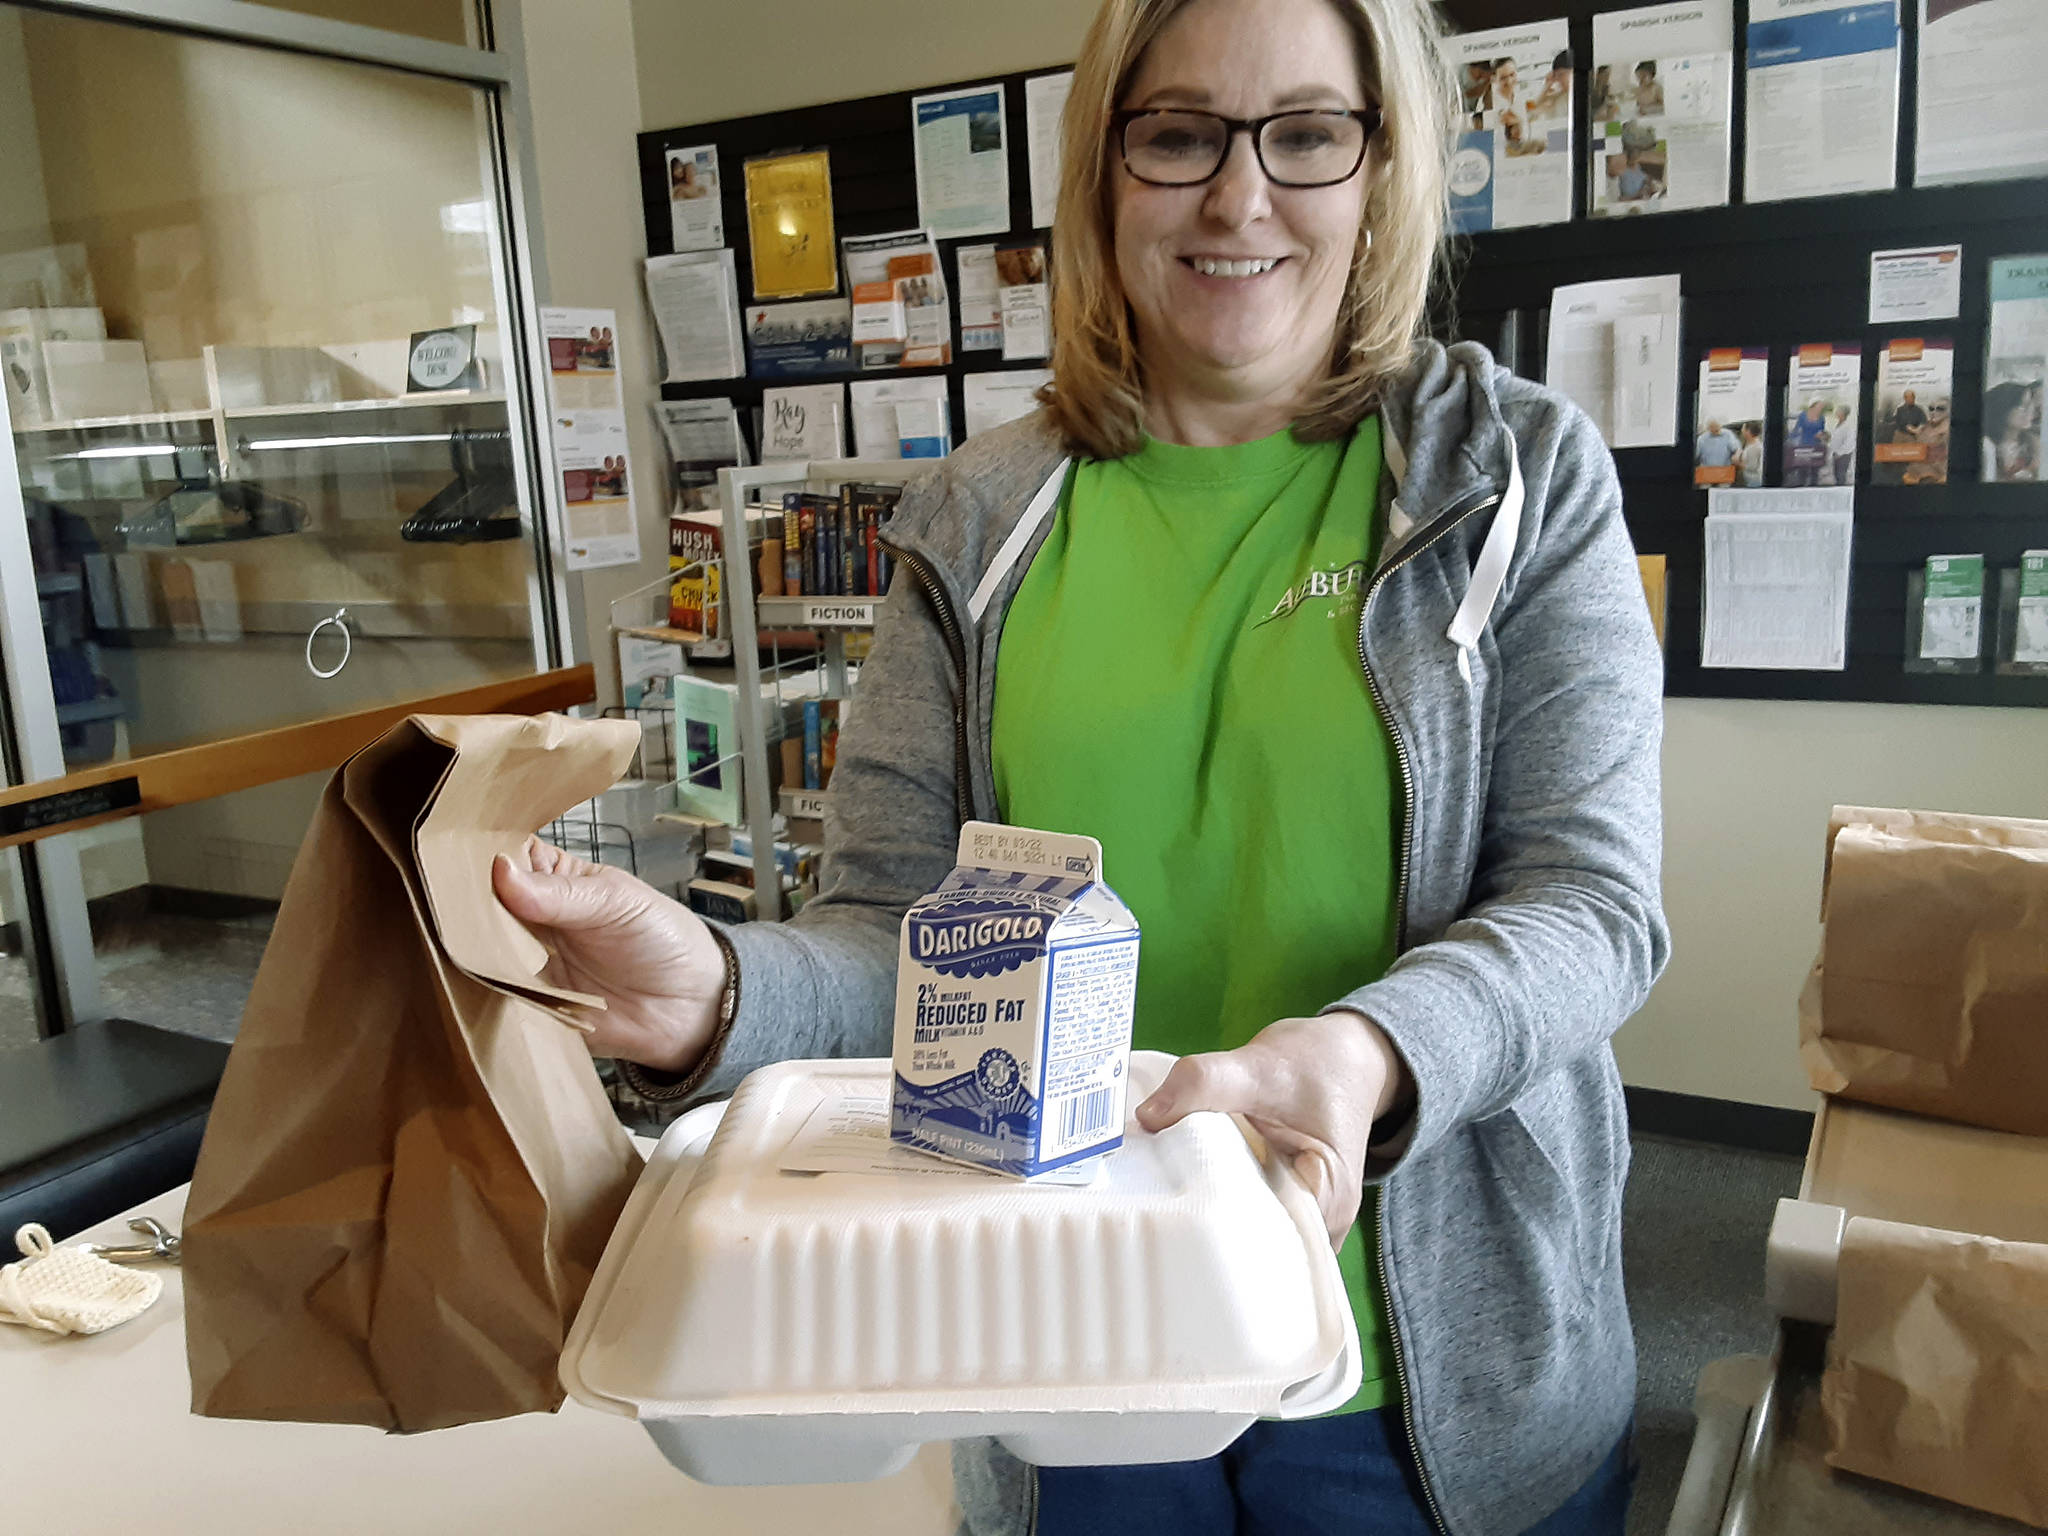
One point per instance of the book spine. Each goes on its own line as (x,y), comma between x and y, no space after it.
(814,745)
(849,545)
(871,579)
(807,520)
(792,546)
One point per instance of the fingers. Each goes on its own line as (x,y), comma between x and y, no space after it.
(581,895)
(1219,1080)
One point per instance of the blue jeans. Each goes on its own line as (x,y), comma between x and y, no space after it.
(1352,1474)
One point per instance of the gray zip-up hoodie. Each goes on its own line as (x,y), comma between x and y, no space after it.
(1508,646)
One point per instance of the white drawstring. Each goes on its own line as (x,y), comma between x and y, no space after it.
(1490,571)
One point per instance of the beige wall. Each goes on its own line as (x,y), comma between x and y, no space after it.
(701,62)
(585,115)
(1747,784)
(24,210)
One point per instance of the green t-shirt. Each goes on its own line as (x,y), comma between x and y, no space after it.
(1179,677)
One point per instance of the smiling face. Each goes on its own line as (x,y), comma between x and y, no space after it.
(1235,285)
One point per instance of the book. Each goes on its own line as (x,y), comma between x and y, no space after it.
(792,543)
(695,542)
(849,562)
(1823,391)
(1728,442)
(1910,431)
(814,744)
(721,901)
(707,749)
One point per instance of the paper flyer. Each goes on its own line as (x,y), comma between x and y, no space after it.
(1662,99)
(703,437)
(1952,608)
(696,218)
(1823,98)
(981,308)
(789,225)
(2015,370)
(1045,98)
(1024,300)
(1980,96)
(963,162)
(1728,442)
(1911,286)
(876,430)
(696,303)
(1910,428)
(803,421)
(798,340)
(2030,629)
(1513,164)
(1614,350)
(1822,395)
(587,424)
(1776,581)
(990,399)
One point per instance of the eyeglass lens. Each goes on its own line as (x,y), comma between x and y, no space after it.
(1302,149)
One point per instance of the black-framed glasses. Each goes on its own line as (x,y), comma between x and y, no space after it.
(1177,147)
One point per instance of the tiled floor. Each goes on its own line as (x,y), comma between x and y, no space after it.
(190,974)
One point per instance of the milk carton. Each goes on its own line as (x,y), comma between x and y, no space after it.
(1014,990)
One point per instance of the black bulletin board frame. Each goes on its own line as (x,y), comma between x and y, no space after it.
(874,191)
(1774,274)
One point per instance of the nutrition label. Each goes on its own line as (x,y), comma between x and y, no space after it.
(1090,992)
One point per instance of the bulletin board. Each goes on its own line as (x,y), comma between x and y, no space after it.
(1773,275)
(1776,275)
(874,191)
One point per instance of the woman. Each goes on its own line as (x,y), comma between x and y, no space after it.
(2012,431)
(1334,637)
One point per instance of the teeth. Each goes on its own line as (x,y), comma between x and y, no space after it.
(1210,267)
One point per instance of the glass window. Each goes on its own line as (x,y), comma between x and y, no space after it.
(442,21)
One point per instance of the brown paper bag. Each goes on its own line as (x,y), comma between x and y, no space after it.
(1931,994)
(1937,1373)
(411,1168)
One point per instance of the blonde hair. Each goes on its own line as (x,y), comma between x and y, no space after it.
(1097,394)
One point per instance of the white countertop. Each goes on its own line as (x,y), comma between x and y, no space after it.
(97,1433)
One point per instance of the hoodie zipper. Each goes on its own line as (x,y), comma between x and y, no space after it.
(935,593)
(1436,530)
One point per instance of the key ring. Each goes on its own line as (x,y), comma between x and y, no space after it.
(339,620)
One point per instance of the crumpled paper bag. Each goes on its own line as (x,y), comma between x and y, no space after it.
(1937,1375)
(1931,992)
(411,1169)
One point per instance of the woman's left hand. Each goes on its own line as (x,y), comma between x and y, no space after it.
(1311,1087)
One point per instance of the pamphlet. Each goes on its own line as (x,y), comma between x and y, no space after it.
(981,307)
(696,218)
(1909,440)
(696,302)
(990,399)
(2015,370)
(1663,88)
(789,225)
(1728,445)
(587,422)
(896,278)
(1823,98)
(795,341)
(1777,579)
(2030,631)
(1907,287)
(875,402)
(1513,162)
(1045,99)
(703,437)
(1822,394)
(1980,101)
(924,428)
(1952,609)
(963,162)
(1025,300)
(803,421)
(1614,350)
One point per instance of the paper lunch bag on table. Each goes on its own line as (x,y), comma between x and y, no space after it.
(411,1168)
(1931,994)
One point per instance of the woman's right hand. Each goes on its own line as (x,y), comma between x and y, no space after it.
(652,960)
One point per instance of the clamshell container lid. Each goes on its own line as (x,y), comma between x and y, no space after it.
(773,1327)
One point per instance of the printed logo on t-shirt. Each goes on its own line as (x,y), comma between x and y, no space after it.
(1333,584)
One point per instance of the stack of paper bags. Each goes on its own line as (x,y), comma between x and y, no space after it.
(1931,996)
(410,1170)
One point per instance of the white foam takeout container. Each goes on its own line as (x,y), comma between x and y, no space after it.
(771,1327)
